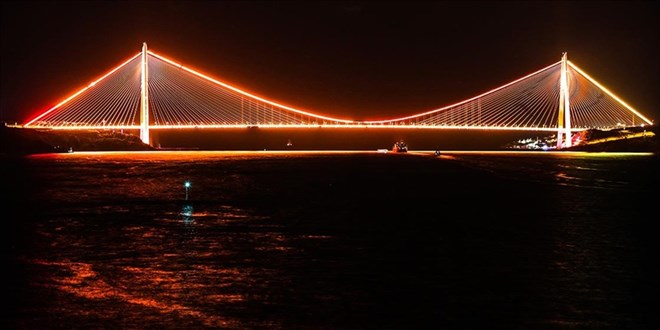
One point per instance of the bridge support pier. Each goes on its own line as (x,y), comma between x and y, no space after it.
(144,98)
(564,138)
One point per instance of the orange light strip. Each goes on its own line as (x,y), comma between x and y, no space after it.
(462,102)
(352,126)
(86,127)
(246,93)
(80,91)
(370,126)
(609,93)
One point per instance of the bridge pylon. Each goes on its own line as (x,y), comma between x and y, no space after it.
(144,97)
(564,121)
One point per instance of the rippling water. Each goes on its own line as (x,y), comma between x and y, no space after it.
(335,240)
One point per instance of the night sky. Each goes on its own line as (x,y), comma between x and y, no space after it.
(354,60)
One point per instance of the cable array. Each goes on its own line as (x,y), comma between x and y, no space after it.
(180,97)
(532,103)
(593,106)
(112,101)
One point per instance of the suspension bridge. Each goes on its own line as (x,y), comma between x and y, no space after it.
(149,91)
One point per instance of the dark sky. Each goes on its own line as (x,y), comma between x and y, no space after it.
(358,60)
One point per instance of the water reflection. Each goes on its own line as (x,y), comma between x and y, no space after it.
(166,293)
(187,213)
(177,268)
(288,242)
(576,170)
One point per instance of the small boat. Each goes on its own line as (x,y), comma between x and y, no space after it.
(400,147)
(288,143)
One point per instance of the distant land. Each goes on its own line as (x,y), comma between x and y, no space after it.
(18,141)
(29,141)
(629,139)
(625,139)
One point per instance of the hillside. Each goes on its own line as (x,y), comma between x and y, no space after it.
(30,141)
(625,139)
(630,139)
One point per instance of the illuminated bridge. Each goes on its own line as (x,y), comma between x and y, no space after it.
(149,91)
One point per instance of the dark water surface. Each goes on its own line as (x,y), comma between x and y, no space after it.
(333,240)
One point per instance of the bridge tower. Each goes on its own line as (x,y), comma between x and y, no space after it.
(144,97)
(564,120)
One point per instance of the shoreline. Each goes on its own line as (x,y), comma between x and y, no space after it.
(29,142)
